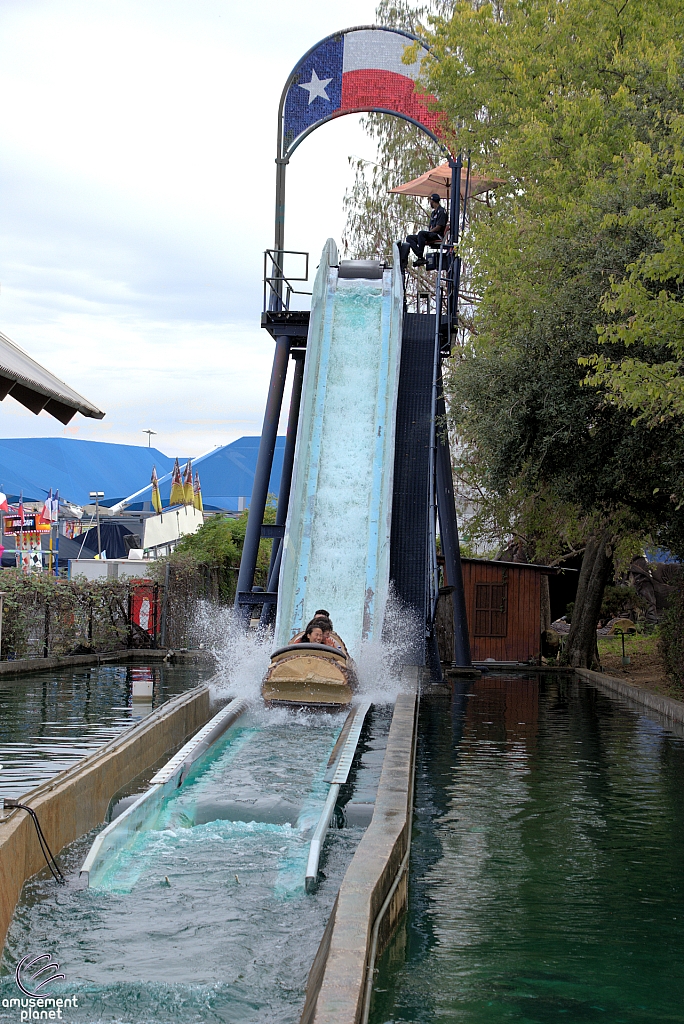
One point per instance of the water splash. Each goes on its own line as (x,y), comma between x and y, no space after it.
(242,656)
(380,661)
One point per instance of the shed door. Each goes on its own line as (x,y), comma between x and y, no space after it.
(491,609)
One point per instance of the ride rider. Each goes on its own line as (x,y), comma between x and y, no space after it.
(318,631)
(434,234)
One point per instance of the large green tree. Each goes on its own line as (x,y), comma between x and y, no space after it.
(218,544)
(560,100)
(640,365)
(553,97)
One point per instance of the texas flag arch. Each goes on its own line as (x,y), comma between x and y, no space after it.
(351,72)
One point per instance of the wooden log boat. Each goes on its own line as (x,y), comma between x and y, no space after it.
(312,674)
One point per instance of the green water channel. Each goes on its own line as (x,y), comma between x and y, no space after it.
(49,720)
(547,868)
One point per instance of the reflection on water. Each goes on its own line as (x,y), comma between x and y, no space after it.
(49,720)
(547,871)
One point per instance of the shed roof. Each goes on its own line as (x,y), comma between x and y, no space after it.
(548,569)
(36,388)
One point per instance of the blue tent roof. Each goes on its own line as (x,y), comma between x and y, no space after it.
(226,475)
(33,465)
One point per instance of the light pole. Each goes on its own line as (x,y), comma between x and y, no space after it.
(97,495)
(149,436)
(2,609)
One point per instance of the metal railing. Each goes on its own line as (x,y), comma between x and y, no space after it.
(278,288)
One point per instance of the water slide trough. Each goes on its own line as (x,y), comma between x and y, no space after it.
(336,548)
(337,537)
(180,781)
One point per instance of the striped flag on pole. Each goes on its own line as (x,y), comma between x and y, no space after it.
(197,492)
(177,492)
(187,484)
(156,494)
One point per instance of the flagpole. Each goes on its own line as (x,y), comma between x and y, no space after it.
(21,530)
(57,532)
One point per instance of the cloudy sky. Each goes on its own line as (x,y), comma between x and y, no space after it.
(137,140)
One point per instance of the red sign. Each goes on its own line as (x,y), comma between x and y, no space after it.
(32,524)
(144,608)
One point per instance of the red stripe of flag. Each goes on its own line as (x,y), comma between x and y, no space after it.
(373,88)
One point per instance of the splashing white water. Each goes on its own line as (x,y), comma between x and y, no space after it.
(242,656)
(379,662)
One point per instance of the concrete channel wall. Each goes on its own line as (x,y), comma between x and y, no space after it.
(665,706)
(27,666)
(76,800)
(374,891)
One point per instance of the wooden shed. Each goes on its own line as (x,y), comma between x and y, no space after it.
(504,609)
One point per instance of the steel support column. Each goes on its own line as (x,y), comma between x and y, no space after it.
(272,584)
(285,483)
(448,532)
(262,474)
(455,265)
(433,578)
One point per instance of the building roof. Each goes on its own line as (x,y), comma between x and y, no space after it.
(226,476)
(33,465)
(550,570)
(36,388)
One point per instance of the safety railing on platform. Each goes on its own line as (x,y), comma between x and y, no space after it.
(278,289)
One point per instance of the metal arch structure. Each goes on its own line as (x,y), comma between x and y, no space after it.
(285,147)
(287,332)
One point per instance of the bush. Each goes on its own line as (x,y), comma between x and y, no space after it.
(215,552)
(621,601)
(672,633)
(48,615)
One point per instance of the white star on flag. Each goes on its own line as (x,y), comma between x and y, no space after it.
(316,87)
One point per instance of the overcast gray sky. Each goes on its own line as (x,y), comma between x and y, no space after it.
(137,140)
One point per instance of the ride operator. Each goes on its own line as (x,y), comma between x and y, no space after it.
(434,234)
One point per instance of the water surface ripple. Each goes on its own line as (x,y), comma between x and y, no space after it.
(49,720)
(547,871)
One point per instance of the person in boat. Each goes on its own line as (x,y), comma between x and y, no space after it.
(313,634)
(329,637)
(332,638)
(433,235)
(319,631)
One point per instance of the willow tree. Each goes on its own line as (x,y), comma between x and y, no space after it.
(553,97)
(566,101)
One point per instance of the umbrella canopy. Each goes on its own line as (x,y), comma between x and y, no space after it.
(439,180)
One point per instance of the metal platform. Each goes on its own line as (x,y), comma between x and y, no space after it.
(290,323)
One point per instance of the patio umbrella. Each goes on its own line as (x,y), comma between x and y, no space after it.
(439,180)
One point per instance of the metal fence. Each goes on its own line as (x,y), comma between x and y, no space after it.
(42,616)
